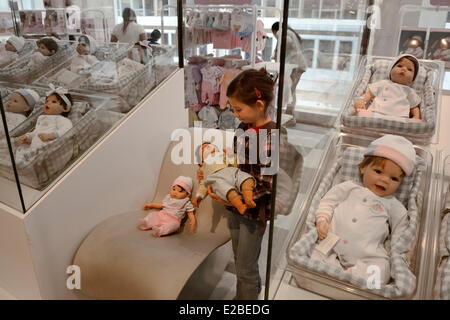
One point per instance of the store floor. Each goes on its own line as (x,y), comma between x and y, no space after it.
(310,141)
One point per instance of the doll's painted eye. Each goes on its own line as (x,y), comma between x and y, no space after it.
(395,179)
(377,171)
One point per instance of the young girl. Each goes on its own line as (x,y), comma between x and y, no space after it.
(393,98)
(46,48)
(363,214)
(173,208)
(249,95)
(49,126)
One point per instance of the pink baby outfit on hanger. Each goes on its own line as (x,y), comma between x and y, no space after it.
(211,76)
(226,39)
(260,42)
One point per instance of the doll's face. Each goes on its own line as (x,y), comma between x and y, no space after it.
(177,192)
(382,178)
(403,72)
(82,49)
(10,47)
(207,149)
(414,43)
(17,104)
(53,106)
(44,50)
(444,44)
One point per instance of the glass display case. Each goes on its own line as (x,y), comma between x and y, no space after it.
(105,79)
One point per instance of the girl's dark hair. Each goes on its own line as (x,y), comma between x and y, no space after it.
(128,15)
(49,43)
(182,189)
(66,113)
(373,160)
(252,85)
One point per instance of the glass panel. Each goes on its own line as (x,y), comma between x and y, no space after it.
(311,8)
(104,79)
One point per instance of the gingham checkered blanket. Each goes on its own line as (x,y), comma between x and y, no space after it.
(376,70)
(346,168)
(22,73)
(88,125)
(444,251)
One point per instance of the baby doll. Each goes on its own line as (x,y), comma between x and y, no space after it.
(85,58)
(9,53)
(140,52)
(46,48)
(393,97)
(415,47)
(361,215)
(50,126)
(227,180)
(443,53)
(172,210)
(20,105)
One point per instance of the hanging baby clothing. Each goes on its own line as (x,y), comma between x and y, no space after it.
(209,117)
(241,23)
(227,77)
(227,120)
(211,76)
(246,42)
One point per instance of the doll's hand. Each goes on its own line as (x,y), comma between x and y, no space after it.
(193,225)
(322,229)
(196,201)
(360,104)
(216,198)
(200,175)
(44,137)
(24,139)
(148,206)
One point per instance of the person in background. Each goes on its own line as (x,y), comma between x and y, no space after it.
(129,31)
(294,55)
(154,36)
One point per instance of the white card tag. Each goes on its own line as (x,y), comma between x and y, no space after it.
(328,243)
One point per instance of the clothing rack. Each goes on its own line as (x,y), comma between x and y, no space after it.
(224,7)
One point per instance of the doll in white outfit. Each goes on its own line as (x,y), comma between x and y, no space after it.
(20,105)
(415,47)
(363,215)
(86,48)
(443,53)
(49,126)
(173,209)
(393,98)
(10,51)
(46,48)
(224,177)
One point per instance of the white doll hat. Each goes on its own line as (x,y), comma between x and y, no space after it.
(89,42)
(30,96)
(17,42)
(410,57)
(395,148)
(184,182)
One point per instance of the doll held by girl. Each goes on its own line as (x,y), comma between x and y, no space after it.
(363,215)
(226,179)
(49,126)
(20,105)
(173,209)
(393,98)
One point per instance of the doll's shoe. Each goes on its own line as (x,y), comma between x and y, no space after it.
(143,224)
(248,198)
(156,231)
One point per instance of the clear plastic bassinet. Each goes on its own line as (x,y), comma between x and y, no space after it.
(310,278)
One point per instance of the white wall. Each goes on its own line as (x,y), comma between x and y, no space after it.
(119,175)
(17,275)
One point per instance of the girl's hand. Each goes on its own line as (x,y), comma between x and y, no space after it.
(196,201)
(200,175)
(322,229)
(216,198)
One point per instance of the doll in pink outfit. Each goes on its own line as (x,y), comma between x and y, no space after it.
(173,209)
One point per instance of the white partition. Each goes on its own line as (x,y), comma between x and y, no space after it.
(118,175)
